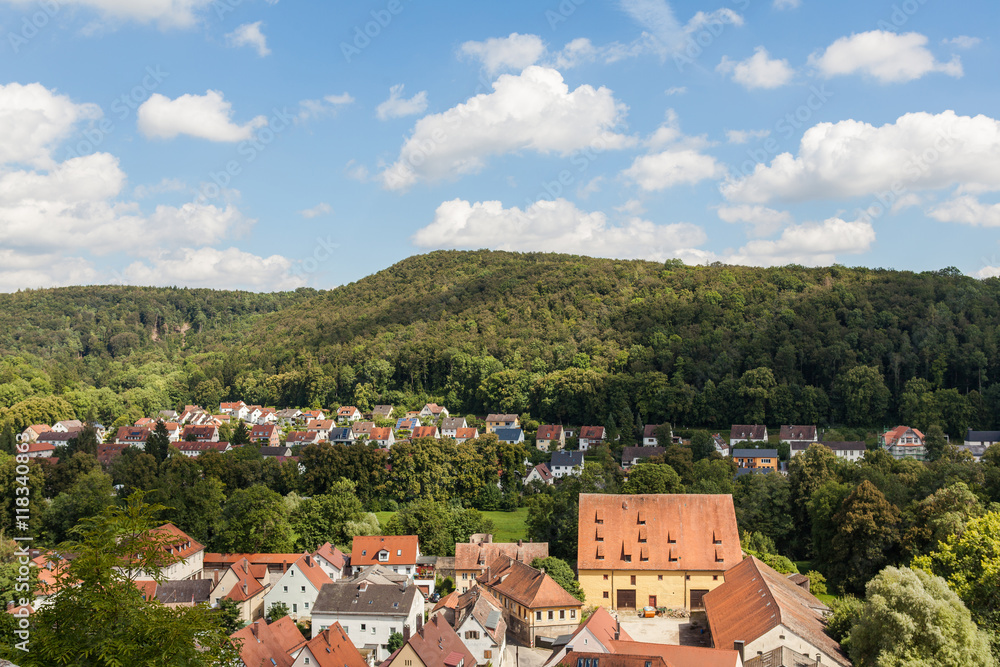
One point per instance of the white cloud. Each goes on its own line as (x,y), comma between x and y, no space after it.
(673,167)
(676,90)
(35,120)
(319,209)
(743,136)
(219,269)
(20,270)
(810,244)
(886,56)
(553,226)
(327,106)
(758,71)
(763,221)
(661,24)
(786,4)
(988,272)
(532,111)
(514,52)
(967,210)
(920,151)
(207,116)
(165,13)
(398,106)
(165,185)
(590,187)
(962,42)
(249,34)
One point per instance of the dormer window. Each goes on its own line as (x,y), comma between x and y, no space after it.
(383,556)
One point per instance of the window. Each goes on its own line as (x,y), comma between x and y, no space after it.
(632,578)
(295,607)
(606,595)
(347,629)
(562,614)
(392,631)
(551,614)
(715,577)
(487,655)
(659,577)
(605,577)
(627,558)
(399,552)
(465,576)
(538,615)
(303,589)
(305,661)
(306,605)
(286,588)
(362,627)
(687,577)
(373,629)
(572,613)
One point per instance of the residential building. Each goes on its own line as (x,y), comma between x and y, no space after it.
(672,655)
(781,657)
(450,426)
(321,426)
(977,442)
(756,458)
(279,452)
(534,605)
(398,553)
(593,635)
(31,433)
(332,560)
(762,610)
(274,645)
(478,621)
(849,451)
(657,550)
(246,584)
(473,557)
(316,414)
(566,463)
(425,432)
(288,417)
(407,423)
(330,648)
(434,644)
(362,428)
(348,413)
(651,437)
(267,416)
(510,435)
(466,434)
(793,433)
(382,436)
(579,659)
(266,434)
(207,433)
(382,412)
(303,438)
(67,426)
(904,442)
(216,564)
(495,421)
(185,593)
(590,436)
(130,435)
(721,444)
(541,473)
(194,449)
(747,433)
(37,450)
(370,608)
(298,587)
(186,555)
(106,454)
(239,409)
(633,455)
(434,411)
(550,437)
(56,438)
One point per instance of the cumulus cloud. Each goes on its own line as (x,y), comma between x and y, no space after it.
(398,106)
(758,71)
(249,34)
(988,272)
(555,226)
(230,268)
(207,116)
(887,57)
(165,13)
(967,210)
(786,4)
(810,244)
(962,42)
(920,151)
(667,33)
(681,163)
(514,52)
(20,270)
(743,136)
(762,220)
(533,111)
(35,119)
(319,209)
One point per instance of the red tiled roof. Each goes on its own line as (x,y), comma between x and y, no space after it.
(147,588)
(247,586)
(263,430)
(548,432)
(332,555)
(380,433)
(320,424)
(892,435)
(262,642)
(312,571)
(424,432)
(449,601)
(302,436)
(132,434)
(333,648)
(677,656)
(657,532)
(185,547)
(466,433)
(592,432)
(524,584)
(346,411)
(613,660)
(402,550)
(479,556)
(437,643)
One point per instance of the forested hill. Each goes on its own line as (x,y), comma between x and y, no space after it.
(566,338)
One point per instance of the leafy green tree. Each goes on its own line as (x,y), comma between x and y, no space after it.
(940,515)
(865,395)
(680,459)
(867,535)
(702,445)
(910,617)
(438,525)
(763,504)
(817,582)
(89,496)
(395,642)
(806,473)
(10,481)
(85,440)
(229,615)
(562,574)
(134,470)
(713,475)
(98,617)
(846,611)
(8,440)
(241,435)
(254,521)
(276,610)
(755,388)
(63,475)
(158,442)
(194,503)
(934,443)
(653,478)
(325,518)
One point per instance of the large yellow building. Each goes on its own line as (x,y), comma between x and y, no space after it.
(657,550)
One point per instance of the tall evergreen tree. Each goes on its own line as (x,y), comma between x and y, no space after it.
(158,442)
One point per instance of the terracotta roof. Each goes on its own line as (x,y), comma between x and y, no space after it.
(649,430)
(380,434)
(544,472)
(548,432)
(106,454)
(212,559)
(613,660)
(185,545)
(147,588)
(262,642)
(263,430)
(424,432)
(793,432)
(467,433)
(402,550)
(302,436)
(39,447)
(333,648)
(247,586)
(478,603)
(320,424)
(678,656)
(478,556)
(657,532)
(747,432)
(435,643)
(754,599)
(313,572)
(332,555)
(592,432)
(449,601)
(524,584)
(601,624)
(132,434)
(892,435)
(346,411)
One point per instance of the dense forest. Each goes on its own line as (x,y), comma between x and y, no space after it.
(564,338)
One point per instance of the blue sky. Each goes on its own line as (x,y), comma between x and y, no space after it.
(269,144)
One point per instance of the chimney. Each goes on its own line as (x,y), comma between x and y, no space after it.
(406,633)
(738,646)
(520,542)
(420,621)
(618,630)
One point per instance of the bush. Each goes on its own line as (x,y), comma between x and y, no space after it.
(846,611)
(817,583)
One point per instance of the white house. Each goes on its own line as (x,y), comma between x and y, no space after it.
(540,472)
(188,556)
(434,410)
(298,587)
(741,433)
(849,451)
(370,608)
(479,624)
(450,426)
(566,463)
(332,560)
(330,648)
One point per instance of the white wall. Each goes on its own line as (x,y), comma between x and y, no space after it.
(383,625)
(300,603)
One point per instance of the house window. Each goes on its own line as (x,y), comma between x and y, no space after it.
(305,661)
(605,577)
(347,629)
(572,613)
(606,595)
(538,615)
(550,615)
(295,607)
(632,578)
(715,577)
(305,606)
(562,614)
(303,589)
(362,627)
(487,655)
(286,588)
(465,576)
(627,558)
(392,630)
(659,577)
(399,552)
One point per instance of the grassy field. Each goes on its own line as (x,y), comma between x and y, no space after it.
(509,525)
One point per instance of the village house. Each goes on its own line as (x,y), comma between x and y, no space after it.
(216,564)
(298,587)
(316,414)
(321,426)
(341,434)
(904,442)
(187,593)
(186,554)
(977,442)
(288,417)
(548,434)
(593,635)
(279,452)
(495,421)
(433,410)
(758,610)
(434,644)
(650,436)
(849,451)
(756,458)
(721,444)
(407,423)
(67,426)
(473,557)
(130,435)
(207,433)
(540,473)
(56,438)
(195,449)
(239,409)
(382,436)
(106,454)
(425,432)
(273,644)
(590,436)
(330,648)
(246,584)
(398,553)
(265,434)
(302,438)
(477,619)
(31,433)
(657,550)
(566,463)
(747,433)
(332,560)
(348,413)
(370,608)
(362,428)
(798,433)
(534,604)
(511,436)
(450,426)
(37,450)
(466,434)
(382,412)
(624,653)
(633,455)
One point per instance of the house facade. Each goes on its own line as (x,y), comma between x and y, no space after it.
(904,442)
(540,473)
(650,437)
(550,437)
(472,558)
(298,587)
(398,553)
(478,622)
(450,426)
(747,433)
(265,434)
(566,463)
(498,420)
(590,436)
(658,550)
(633,455)
(756,458)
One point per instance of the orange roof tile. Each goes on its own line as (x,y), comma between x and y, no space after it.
(333,648)
(478,556)
(689,531)
(678,656)
(466,433)
(332,555)
(313,572)
(435,643)
(402,550)
(524,584)
(262,642)
(612,660)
